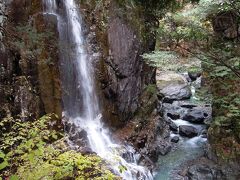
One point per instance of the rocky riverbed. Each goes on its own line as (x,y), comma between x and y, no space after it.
(187,110)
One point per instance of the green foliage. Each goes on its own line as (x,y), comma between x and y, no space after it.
(170,61)
(66,165)
(28,134)
(37,150)
(122,169)
(151,89)
(24,140)
(189,32)
(4,161)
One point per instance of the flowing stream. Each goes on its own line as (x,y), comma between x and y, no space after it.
(80,102)
(186,149)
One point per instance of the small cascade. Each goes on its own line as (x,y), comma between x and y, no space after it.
(50,6)
(187,121)
(80,102)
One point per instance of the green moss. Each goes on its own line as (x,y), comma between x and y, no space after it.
(148,102)
(194,70)
(152,89)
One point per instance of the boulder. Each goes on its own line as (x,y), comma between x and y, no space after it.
(166,79)
(173,86)
(76,134)
(173,126)
(193,75)
(173,115)
(175,139)
(164,148)
(196,116)
(203,171)
(188,131)
(176,92)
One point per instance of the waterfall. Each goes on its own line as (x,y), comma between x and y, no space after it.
(80,102)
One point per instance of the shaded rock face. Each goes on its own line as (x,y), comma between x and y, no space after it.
(225,24)
(202,168)
(25,103)
(2,18)
(125,65)
(121,73)
(128,73)
(29,80)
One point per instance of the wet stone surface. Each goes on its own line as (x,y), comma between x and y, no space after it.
(187,121)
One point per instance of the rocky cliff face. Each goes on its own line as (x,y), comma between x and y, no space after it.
(117,37)
(30,85)
(120,36)
(117,34)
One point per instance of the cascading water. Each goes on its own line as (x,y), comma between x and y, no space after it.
(79,97)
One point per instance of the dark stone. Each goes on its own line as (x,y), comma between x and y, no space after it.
(195,116)
(141,142)
(164,148)
(199,172)
(188,131)
(204,134)
(80,134)
(175,139)
(128,156)
(189,106)
(173,126)
(173,116)
(194,75)
(86,151)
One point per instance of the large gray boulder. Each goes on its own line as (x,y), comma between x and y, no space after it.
(173,86)
(176,92)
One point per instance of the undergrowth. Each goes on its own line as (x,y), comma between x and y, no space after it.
(38,150)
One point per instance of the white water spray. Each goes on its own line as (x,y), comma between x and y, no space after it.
(80,100)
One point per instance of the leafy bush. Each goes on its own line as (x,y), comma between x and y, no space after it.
(38,150)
